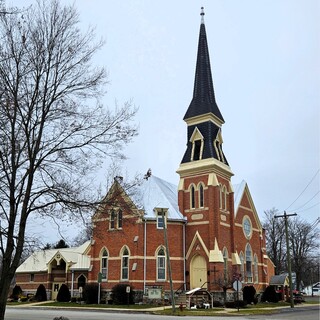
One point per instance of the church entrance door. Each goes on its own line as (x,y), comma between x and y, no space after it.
(55,289)
(198,275)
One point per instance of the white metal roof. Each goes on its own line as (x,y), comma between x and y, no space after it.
(238,193)
(39,260)
(157,193)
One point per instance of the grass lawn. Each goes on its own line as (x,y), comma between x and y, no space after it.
(102,305)
(258,309)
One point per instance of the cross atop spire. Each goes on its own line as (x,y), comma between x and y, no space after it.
(202,15)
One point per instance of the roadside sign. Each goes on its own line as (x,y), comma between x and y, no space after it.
(237,285)
(101,276)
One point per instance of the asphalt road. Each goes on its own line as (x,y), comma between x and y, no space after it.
(305,313)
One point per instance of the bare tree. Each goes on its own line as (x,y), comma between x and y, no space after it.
(275,239)
(304,243)
(54,132)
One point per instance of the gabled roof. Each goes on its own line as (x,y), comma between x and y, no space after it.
(239,191)
(203,101)
(39,260)
(279,280)
(157,193)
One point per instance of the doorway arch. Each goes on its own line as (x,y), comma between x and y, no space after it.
(198,274)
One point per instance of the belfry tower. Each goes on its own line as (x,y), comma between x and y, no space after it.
(205,191)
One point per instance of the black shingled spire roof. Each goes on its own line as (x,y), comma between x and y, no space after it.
(204,106)
(203,100)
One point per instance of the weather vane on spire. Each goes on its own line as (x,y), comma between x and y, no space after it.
(202,15)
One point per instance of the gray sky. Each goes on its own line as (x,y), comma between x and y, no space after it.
(265,60)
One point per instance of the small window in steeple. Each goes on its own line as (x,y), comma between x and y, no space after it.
(197,150)
(197,145)
(218,147)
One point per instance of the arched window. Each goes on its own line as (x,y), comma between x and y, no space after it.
(201,196)
(104,264)
(223,197)
(119,219)
(220,196)
(81,281)
(125,264)
(192,197)
(112,217)
(256,269)
(161,265)
(248,263)
(225,264)
(242,265)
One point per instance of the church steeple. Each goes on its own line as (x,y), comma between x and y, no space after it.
(203,116)
(203,101)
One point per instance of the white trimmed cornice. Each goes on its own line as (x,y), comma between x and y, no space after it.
(204,166)
(204,118)
(195,238)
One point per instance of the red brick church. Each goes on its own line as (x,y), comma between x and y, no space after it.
(205,232)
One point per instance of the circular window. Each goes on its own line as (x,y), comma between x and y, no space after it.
(247,228)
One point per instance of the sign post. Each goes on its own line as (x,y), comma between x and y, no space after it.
(80,291)
(237,285)
(100,276)
(128,294)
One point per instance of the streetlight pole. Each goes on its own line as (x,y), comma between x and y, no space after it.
(285,216)
(168,260)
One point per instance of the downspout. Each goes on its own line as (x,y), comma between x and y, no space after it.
(184,254)
(72,281)
(144,256)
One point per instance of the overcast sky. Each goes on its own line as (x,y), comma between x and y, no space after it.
(265,60)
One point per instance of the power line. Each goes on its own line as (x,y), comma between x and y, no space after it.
(309,207)
(314,224)
(304,189)
(307,202)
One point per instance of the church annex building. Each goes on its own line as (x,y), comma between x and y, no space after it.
(213,232)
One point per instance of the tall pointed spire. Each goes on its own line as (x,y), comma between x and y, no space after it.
(203,101)
(203,117)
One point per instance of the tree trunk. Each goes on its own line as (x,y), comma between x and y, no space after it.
(5,282)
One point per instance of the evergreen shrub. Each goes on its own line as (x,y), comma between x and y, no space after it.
(270,295)
(249,293)
(63,294)
(120,296)
(41,294)
(90,293)
(16,292)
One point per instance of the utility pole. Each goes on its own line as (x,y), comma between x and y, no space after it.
(285,216)
(168,261)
